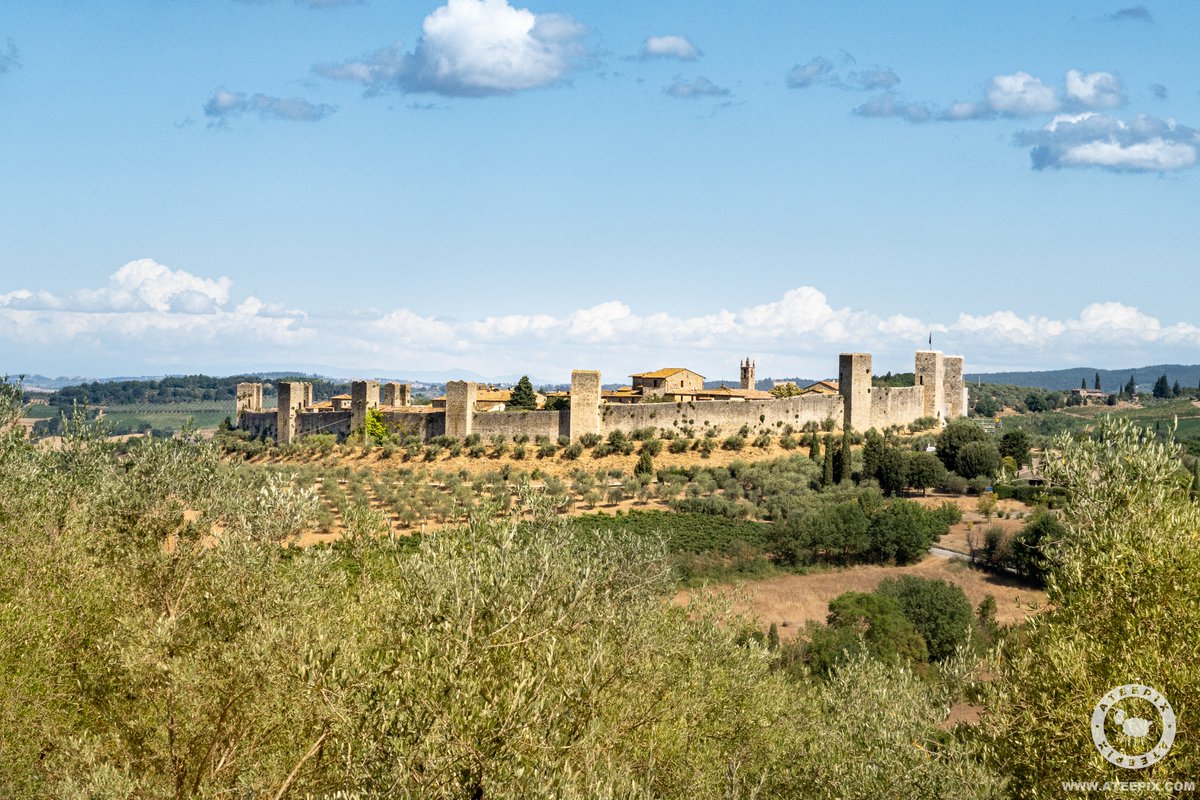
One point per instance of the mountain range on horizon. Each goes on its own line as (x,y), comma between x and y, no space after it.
(1058,379)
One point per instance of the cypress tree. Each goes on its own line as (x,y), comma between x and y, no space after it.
(1161,387)
(814,447)
(645,464)
(872,454)
(1096,385)
(522,396)
(1195,479)
(1176,390)
(1083,383)
(847,465)
(773,638)
(827,467)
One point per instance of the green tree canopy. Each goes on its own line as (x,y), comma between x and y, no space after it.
(938,609)
(954,437)
(978,458)
(925,470)
(523,396)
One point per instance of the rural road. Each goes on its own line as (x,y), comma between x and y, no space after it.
(941,553)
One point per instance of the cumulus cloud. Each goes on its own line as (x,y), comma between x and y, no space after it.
(1138,13)
(700,87)
(1020,95)
(10,57)
(1159,91)
(225,104)
(149,314)
(1142,144)
(472,48)
(669,47)
(1017,95)
(1094,89)
(820,71)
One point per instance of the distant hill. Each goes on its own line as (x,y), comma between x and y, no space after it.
(1111,380)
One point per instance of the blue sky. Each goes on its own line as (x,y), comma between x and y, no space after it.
(387,186)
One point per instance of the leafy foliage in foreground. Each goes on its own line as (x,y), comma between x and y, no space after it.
(1123,610)
(157,641)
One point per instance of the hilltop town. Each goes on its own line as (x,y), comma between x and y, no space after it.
(664,399)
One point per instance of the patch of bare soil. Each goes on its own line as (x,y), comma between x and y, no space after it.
(792,600)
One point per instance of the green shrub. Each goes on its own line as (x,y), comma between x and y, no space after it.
(938,609)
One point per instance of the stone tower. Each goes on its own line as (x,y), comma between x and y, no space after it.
(291,399)
(363,395)
(460,408)
(930,371)
(854,385)
(397,395)
(585,403)
(748,373)
(249,398)
(956,402)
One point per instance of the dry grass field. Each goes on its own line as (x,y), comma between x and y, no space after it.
(789,601)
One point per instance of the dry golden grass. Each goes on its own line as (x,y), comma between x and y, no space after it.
(789,601)
(373,459)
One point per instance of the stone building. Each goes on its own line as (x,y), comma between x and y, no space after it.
(677,382)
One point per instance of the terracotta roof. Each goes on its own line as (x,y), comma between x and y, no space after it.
(340,397)
(729,391)
(665,372)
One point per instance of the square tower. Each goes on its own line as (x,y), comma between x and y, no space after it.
(930,371)
(956,405)
(363,395)
(854,385)
(397,395)
(585,403)
(248,398)
(291,400)
(460,408)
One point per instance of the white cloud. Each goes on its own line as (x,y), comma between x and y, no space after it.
(1020,95)
(1142,144)
(149,315)
(1095,89)
(669,47)
(473,48)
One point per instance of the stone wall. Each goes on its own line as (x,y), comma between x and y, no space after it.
(896,405)
(529,423)
(729,417)
(259,423)
(426,424)
(309,423)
